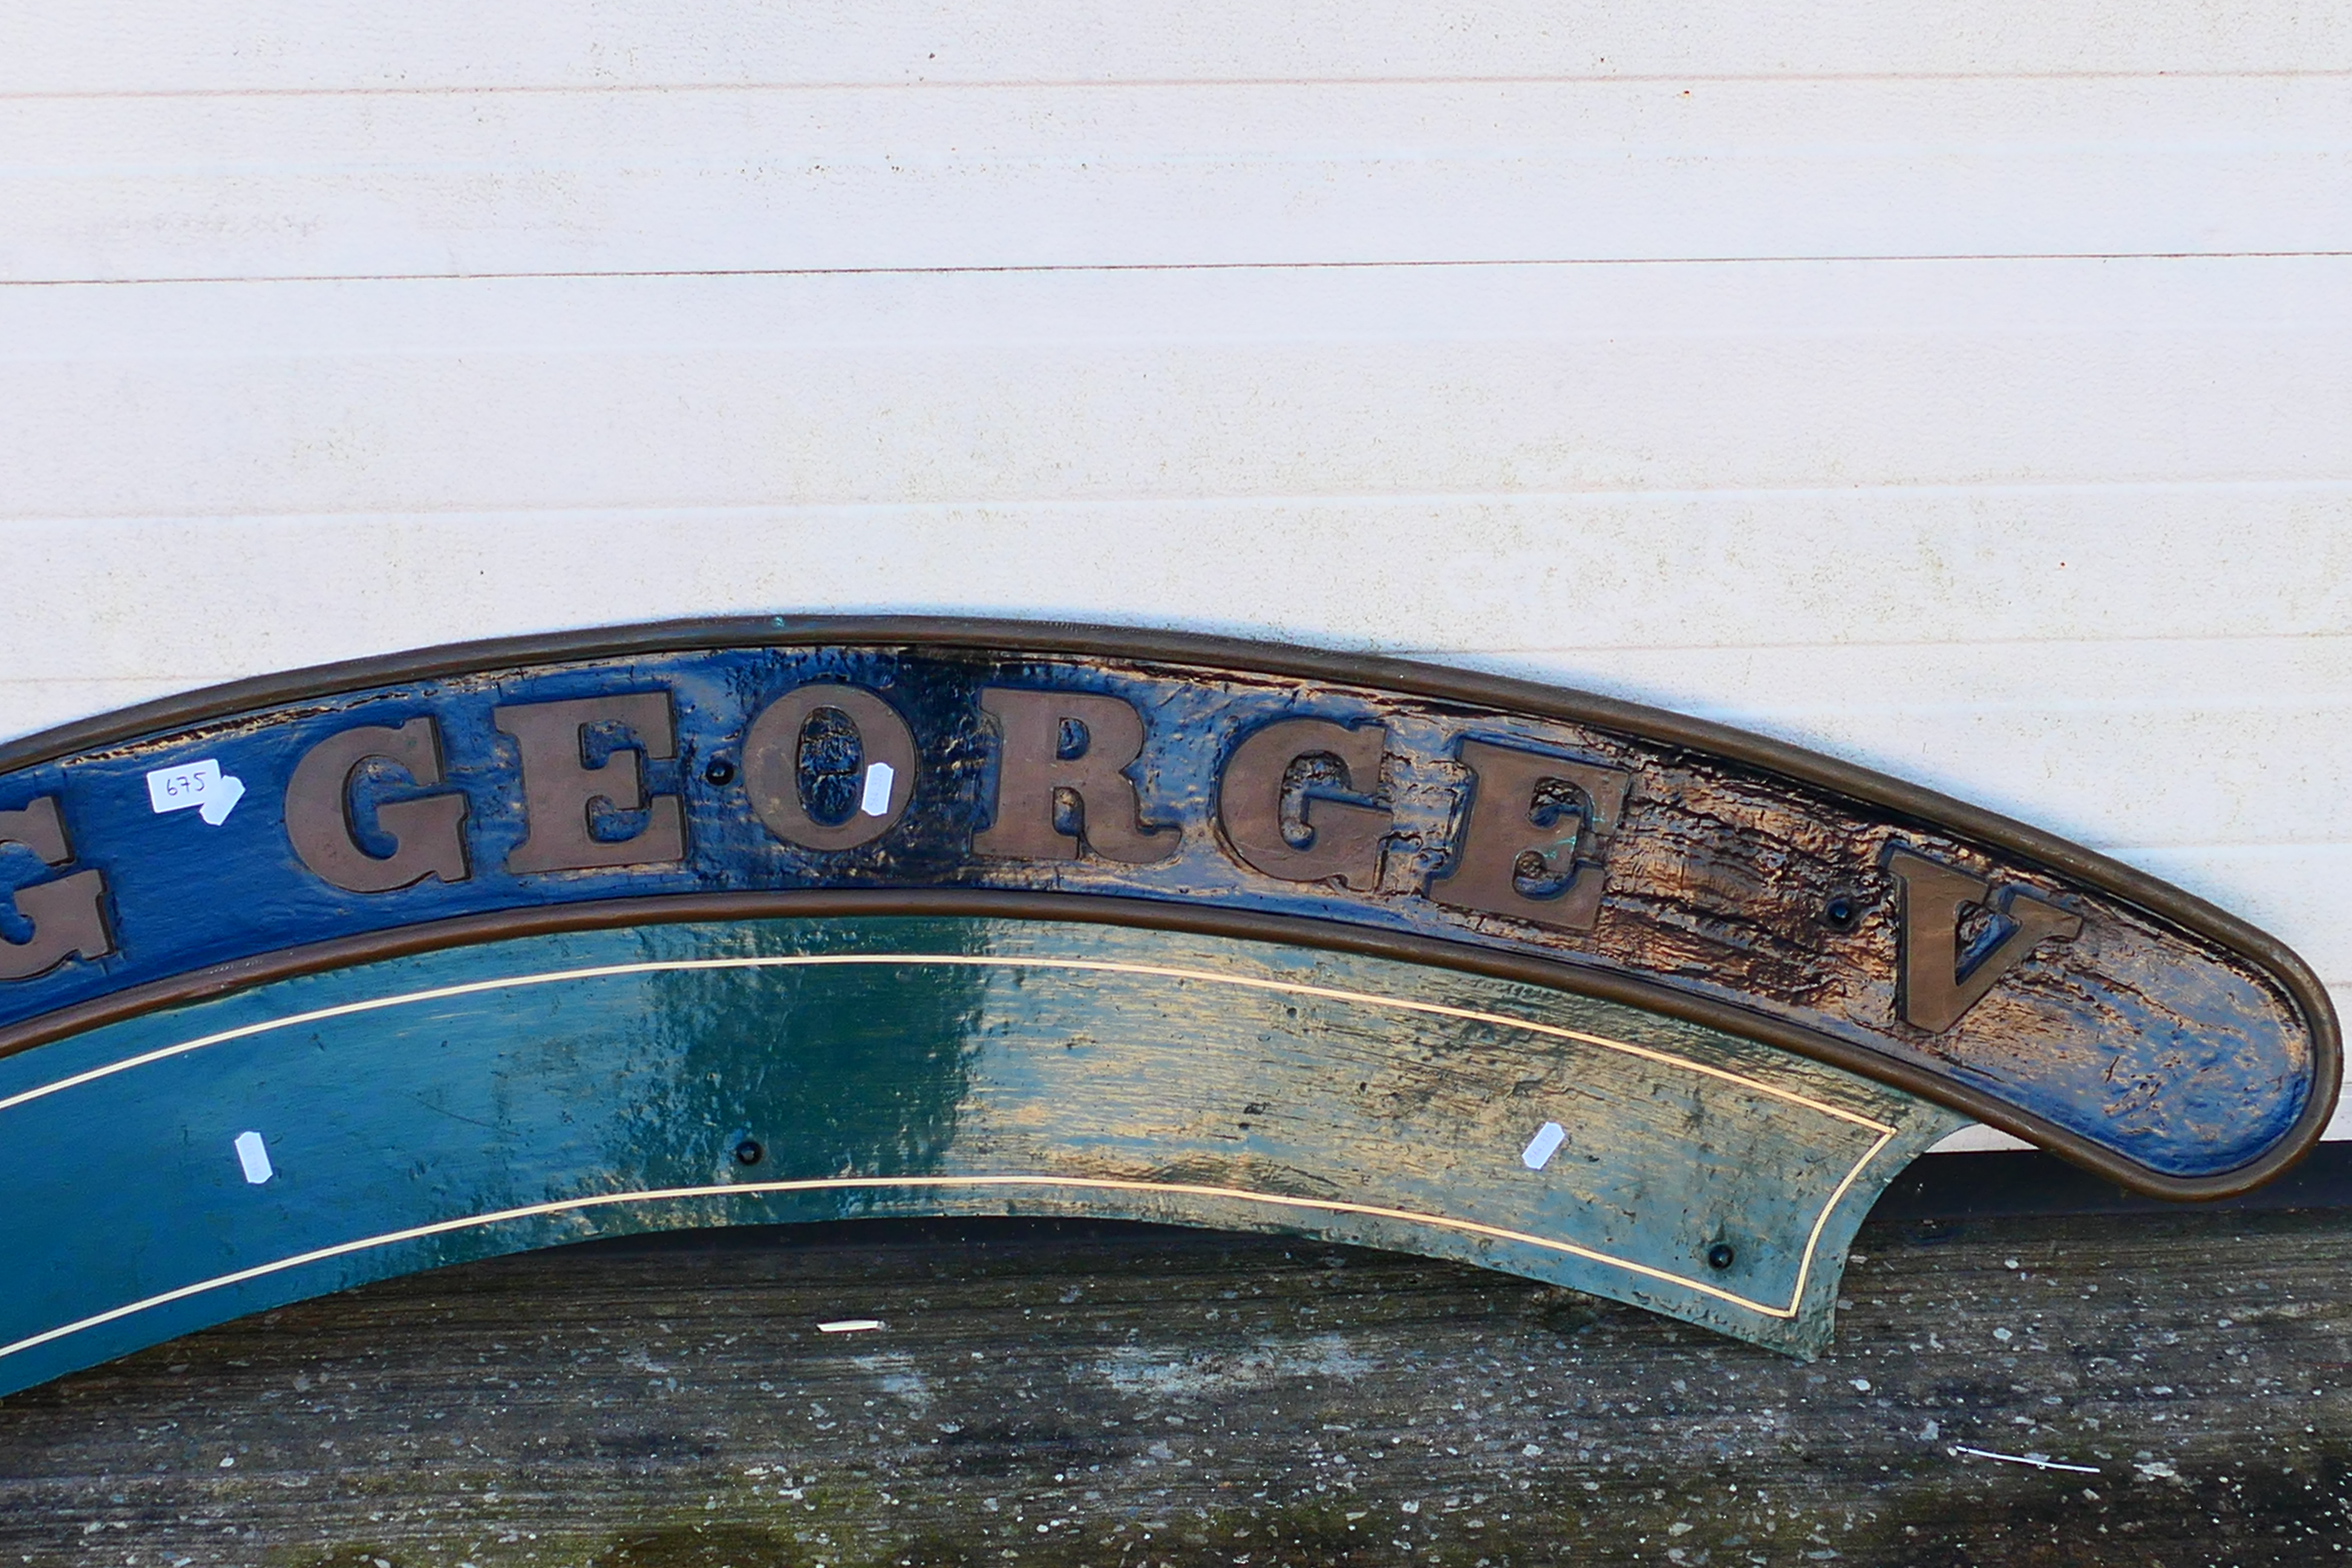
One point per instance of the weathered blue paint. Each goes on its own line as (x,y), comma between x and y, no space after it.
(2181,1058)
(1191,1078)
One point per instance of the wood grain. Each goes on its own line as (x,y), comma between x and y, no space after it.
(1058,1393)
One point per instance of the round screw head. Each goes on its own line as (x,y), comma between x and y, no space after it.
(749,1153)
(1841,912)
(719,772)
(1720,1255)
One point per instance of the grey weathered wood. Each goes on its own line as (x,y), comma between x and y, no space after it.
(1123,1395)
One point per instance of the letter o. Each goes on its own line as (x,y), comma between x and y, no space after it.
(771,764)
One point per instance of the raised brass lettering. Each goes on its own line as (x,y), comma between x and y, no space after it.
(1936,983)
(65,914)
(1034,778)
(562,792)
(771,765)
(425,832)
(1527,848)
(1341,838)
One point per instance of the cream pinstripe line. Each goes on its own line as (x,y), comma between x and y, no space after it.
(835,1184)
(785,960)
(1804,1269)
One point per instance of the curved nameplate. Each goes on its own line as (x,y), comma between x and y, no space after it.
(1432,816)
(186,1166)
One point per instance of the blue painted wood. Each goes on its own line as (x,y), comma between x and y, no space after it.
(2180,1059)
(473,1102)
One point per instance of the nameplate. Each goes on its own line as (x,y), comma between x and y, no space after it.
(769,769)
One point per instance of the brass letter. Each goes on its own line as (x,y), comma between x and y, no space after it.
(561,793)
(1496,851)
(1343,839)
(1032,777)
(771,764)
(1930,990)
(68,921)
(426,841)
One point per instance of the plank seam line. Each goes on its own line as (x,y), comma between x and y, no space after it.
(1059,267)
(1116,84)
(2331,486)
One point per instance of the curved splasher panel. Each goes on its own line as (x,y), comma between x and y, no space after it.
(181,1168)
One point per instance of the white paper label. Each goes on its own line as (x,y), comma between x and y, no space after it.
(1543,1145)
(253,1154)
(198,786)
(875,802)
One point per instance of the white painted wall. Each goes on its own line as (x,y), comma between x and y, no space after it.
(1968,393)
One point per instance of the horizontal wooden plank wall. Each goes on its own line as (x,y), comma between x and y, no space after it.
(1233,174)
(152,46)
(1966,397)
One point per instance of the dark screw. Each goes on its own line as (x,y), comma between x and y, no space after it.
(720,772)
(1843,913)
(748,1153)
(1719,1256)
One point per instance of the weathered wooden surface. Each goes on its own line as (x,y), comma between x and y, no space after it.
(1126,1395)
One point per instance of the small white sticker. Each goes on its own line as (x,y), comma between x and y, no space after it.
(1543,1145)
(875,802)
(201,785)
(254,1155)
(850,1326)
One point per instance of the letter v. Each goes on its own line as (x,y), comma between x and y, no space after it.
(1930,991)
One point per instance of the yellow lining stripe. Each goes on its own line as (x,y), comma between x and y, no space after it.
(786,961)
(837,1183)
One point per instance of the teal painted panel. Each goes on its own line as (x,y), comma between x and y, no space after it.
(185,1167)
